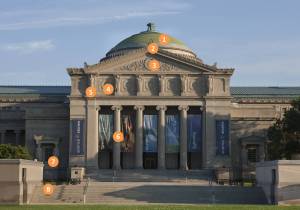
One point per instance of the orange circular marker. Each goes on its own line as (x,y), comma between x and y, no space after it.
(90,92)
(153,65)
(108,89)
(118,136)
(164,39)
(53,161)
(152,48)
(48,189)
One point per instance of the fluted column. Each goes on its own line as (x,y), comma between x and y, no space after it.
(2,136)
(92,135)
(139,137)
(244,153)
(39,152)
(183,137)
(56,150)
(116,145)
(161,147)
(261,150)
(17,132)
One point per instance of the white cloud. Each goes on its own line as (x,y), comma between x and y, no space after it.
(29,47)
(90,14)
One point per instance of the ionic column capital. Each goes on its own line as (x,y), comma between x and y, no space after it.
(161,107)
(139,108)
(117,108)
(183,108)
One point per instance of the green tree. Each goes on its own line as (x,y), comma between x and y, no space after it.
(8,151)
(284,135)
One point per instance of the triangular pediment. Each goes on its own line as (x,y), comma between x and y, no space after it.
(135,62)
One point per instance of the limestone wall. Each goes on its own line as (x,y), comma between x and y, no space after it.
(18,178)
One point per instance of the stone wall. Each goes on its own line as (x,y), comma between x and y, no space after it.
(18,178)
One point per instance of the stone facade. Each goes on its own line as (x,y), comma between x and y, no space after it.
(280,181)
(41,117)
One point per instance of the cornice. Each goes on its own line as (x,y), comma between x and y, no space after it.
(259,100)
(120,62)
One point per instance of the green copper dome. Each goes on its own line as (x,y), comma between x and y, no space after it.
(142,39)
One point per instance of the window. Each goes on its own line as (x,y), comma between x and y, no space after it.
(252,153)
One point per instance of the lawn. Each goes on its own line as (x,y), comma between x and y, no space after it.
(150,207)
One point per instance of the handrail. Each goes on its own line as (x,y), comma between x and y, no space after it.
(85,190)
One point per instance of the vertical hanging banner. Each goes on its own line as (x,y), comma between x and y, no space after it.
(106,130)
(172,133)
(77,145)
(127,127)
(194,127)
(222,137)
(150,133)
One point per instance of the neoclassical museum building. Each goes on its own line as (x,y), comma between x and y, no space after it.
(183,116)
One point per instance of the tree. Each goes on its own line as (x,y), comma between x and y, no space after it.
(8,151)
(284,135)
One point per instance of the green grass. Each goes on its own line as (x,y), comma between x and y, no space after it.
(148,207)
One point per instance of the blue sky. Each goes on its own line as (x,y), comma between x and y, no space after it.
(39,39)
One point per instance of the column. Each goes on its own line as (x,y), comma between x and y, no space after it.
(244,153)
(17,132)
(261,152)
(139,137)
(39,152)
(116,145)
(2,136)
(56,150)
(183,137)
(92,140)
(161,147)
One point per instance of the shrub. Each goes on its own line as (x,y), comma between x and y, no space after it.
(8,151)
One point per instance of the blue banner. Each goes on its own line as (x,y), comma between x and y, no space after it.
(150,133)
(222,137)
(194,132)
(77,145)
(172,133)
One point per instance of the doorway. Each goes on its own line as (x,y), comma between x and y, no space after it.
(150,160)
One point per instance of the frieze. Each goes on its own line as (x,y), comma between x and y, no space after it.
(141,66)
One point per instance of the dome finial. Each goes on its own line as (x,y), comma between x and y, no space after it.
(151,27)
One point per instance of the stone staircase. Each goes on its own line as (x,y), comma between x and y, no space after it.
(150,186)
(62,194)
